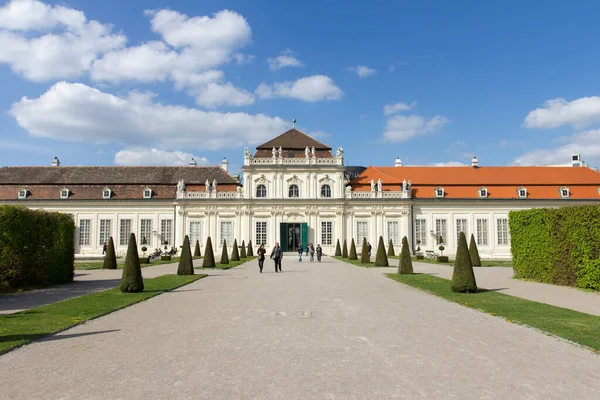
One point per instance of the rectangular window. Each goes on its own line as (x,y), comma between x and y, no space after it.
(84,232)
(502,224)
(166,232)
(482,232)
(362,232)
(461,226)
(195,232)
(124,231)
(105,231)
(421,232)
(393,232)
(261,233)
(227,232)
(145,232)
(441,231)
(326,233)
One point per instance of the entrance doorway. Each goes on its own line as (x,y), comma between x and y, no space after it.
(292,235)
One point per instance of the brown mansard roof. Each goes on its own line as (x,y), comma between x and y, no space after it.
(293,139)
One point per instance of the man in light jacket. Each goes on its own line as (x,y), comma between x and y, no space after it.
(276,256)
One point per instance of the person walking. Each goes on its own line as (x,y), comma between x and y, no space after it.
(369,248)
(104,248)
(311,251)
(319,252)
(300,250)
(276,256)
(261,257)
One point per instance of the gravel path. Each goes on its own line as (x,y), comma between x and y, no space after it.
(315,331)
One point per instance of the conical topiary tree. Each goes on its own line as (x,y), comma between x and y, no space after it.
(338,249)
(243,251)
(235,254)
(391,252)
(197,249)
(345,250)
(186,265)
(381,259)
(209,256)
(463,277)
(352,254)
(131,280)
(110,259)
(474,253)
(405,267)
(224,255)
(364,253)
(250,249)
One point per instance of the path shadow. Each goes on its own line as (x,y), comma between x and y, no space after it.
(44,337)
(491,290)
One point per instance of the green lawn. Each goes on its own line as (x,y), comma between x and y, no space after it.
(233,264)
(450,263)
(568,324)
(23,327)
(369,265)
(99,264)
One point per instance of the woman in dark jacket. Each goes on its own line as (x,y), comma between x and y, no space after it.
(261,256)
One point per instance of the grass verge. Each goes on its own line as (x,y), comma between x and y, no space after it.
(366,265)
(450,263)
(575,326)
(23,327)
(232,264)
(99,264)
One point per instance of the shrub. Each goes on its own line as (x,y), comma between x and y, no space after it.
(391,252)
(110,259)
(345,250)
(250,250)
(131,280)
(186,265)
(364,253)
(405,267)
(197,249)
(463,277)
(352,255)
(441,243)
(224,255)
(209,256)
(235,254)
(381,259)
(338,249)
(443,259)
(474,253)
(243,251)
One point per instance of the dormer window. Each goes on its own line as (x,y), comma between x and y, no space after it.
(64,193)
(23,193)
(439,192)
(564,192)
(106,193)
(483,192)
(147,193)
(522,192)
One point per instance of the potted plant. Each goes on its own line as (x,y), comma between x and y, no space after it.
(166,257)
(418,253)
(442,257)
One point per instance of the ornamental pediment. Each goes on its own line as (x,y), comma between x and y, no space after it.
(261,180)
(294,180)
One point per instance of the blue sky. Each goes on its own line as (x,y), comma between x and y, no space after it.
(155,82)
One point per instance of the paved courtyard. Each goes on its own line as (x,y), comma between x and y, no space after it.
(315,331)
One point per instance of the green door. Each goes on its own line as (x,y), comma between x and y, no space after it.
(283,235)
(304,233)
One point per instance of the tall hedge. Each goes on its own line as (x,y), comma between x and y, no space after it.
(197,249)
(235,254)
(186,265)
(463,277)
(36,247)
(474,252)
(559,246)
(345,250)
(405,267)
(209,256)
(224,255)
(250,249)
(110,258)
(338,249)
(352,255)
(131,280)
(391,252)
(364,253)
(381,259)
(243,251)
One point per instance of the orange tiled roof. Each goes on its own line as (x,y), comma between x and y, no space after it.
(501,182)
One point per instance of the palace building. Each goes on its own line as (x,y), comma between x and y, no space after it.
(297,190)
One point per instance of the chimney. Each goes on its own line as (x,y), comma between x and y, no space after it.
(193,162)
(474,162)
(398,162)
(225,164)
(56,162)
(576,160)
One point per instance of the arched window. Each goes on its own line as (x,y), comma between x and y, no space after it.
(325,191)
(261,191)
(294,192)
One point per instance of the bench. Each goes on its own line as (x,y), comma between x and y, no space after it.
(430,254)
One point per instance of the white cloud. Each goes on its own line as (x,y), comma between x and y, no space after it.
(76,112)
(312,88)
(401,128)
(558,112)
(286,59)
(319,134)
(41,42)
(148,156)
(449,164)
(214,95)
(394,108)
(362,71)
(585,143)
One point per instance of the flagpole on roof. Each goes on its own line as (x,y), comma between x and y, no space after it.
(294,122)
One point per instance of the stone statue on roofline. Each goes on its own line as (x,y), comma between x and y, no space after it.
(314,154)
(274,151)
(207,185)
(180,186)
(372,185)
(214,185)
(340,152)
(280,152)
(247,152)
(409,185)
(306,152)
(404,185)
(379,185)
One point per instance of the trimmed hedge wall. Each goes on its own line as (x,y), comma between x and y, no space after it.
(557,245)
(36,247)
